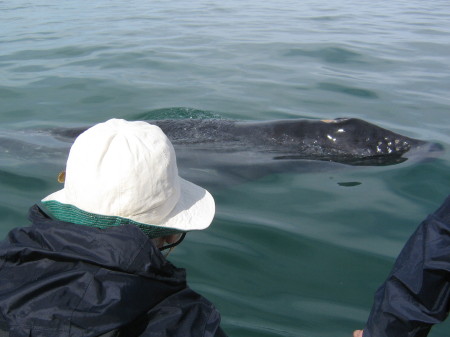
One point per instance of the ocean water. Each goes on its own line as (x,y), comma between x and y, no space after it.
(288,254)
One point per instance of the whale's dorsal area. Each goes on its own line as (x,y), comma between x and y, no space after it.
(217,152)
(345,140)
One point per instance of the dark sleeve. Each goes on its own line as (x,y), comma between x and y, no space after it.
(220,333)
(212,328)
(416,294)
(183,314)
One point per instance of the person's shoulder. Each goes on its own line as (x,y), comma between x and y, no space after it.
(185,313)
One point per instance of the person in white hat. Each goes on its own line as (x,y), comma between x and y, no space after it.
(91,264)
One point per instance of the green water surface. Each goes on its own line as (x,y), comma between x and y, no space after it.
(288,254)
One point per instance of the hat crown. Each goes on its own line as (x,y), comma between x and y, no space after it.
(124,169)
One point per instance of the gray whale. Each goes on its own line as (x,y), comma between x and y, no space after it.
(345,140)
(217,152)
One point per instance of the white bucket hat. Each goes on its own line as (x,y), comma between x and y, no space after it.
(121,172)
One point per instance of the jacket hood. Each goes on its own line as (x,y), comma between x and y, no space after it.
(86,275)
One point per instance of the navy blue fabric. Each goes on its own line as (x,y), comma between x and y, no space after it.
(63,279)
(416,295)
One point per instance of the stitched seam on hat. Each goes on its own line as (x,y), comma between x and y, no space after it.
(71,213)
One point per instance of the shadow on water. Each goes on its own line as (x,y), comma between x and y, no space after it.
(328,54)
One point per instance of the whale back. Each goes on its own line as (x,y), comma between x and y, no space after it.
(344,140)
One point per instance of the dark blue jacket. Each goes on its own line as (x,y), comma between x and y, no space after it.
(62,279)
(416,294)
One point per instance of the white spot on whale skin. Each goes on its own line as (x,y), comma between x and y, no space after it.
(340,130)
(331,138)
(378,149)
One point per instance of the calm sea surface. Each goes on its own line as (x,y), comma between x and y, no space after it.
(288,254)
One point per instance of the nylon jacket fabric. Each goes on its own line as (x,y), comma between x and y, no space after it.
(62,279)
(416,295)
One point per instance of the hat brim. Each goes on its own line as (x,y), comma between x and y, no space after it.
(194,211)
